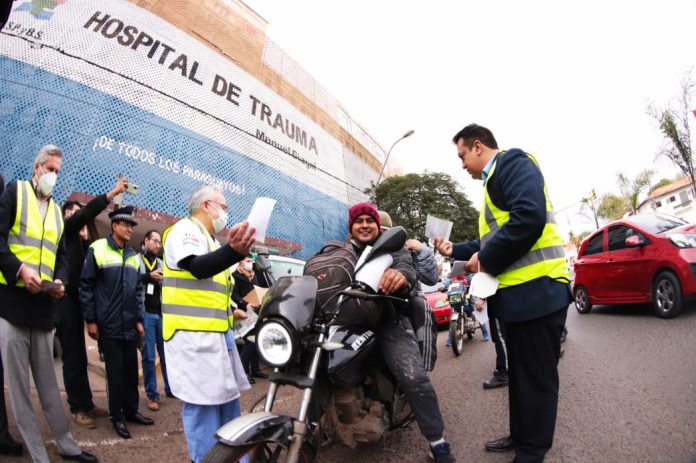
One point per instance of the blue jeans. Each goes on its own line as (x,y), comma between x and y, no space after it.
(201,422)
(153,338)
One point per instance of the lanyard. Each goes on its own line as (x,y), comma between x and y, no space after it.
(147,264)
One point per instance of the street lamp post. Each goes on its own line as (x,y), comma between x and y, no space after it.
(406,135)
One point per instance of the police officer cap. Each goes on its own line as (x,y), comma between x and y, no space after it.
(124,214)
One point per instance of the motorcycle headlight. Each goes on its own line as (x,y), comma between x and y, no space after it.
(683,240)
(274,343)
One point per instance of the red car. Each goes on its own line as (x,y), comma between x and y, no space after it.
(648,258)
(439,303)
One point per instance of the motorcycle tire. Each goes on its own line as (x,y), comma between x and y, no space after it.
(457,335)
(266,452)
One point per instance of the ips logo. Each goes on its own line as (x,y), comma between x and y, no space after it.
(40,9)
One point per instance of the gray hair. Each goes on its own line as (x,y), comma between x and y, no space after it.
(201,195)
(46,151)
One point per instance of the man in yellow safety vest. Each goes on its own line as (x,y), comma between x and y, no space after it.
(31,225)
(203,366)
(519,244)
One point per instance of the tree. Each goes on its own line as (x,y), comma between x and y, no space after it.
(632,188)
(674,125)
(611,207)
(410,198)
(660,184)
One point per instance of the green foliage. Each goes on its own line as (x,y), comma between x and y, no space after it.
(410,198)
(611,207)
(673,122)
(632,188)
(660,184)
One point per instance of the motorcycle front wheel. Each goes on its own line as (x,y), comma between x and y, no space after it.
(457,334)
(263,452)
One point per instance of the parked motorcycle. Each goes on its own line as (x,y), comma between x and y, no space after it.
(462,322)
(349,394)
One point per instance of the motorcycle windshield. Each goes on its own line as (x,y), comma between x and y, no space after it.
(292,298)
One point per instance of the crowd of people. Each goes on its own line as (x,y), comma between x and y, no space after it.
(181,307)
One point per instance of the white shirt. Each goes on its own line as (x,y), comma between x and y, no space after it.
(200,369)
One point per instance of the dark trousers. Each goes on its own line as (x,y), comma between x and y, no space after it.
(4,431)
(400,352)
(250,358)
(70,329)
(121,359)
(533,352)
(498,336)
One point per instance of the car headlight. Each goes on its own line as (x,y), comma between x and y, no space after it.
(274,343)
(683,240)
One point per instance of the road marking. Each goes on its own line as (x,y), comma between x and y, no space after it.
(116,441)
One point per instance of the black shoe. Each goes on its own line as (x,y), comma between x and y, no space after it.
(169,394)
(499,379)
(140,419)
(121,429)
(251,379)
(259,374)
(8,446)
(441,453)
(564,335)
(84,457)
(504,444)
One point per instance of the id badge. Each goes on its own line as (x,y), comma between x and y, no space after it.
(150,290)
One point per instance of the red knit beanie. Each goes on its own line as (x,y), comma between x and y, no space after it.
(360,209)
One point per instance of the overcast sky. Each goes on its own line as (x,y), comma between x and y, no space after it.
(566,81)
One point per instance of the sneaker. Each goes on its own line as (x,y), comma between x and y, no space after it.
(153,404)
(84,420)
(486,336)
(499,379)
(441,453)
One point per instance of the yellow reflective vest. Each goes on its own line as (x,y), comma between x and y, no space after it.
(545,258)
(34,239)
(191,304)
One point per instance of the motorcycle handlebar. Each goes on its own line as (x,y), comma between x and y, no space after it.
(355,293)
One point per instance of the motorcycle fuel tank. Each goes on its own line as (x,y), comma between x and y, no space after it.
(349,366)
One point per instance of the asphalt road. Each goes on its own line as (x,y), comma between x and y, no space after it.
(628,394)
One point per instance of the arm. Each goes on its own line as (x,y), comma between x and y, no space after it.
(9,264)
(208,265)
(464,251)
(140,300)
(92,209)
(518,187)
(237,296)
(426,266)
(87,280)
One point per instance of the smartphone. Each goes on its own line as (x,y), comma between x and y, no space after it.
(132,189)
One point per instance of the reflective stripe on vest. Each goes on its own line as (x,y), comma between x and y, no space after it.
(33,239)
(107,257)
(191,304)
(545,258)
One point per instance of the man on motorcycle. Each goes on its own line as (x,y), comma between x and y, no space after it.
(396,337)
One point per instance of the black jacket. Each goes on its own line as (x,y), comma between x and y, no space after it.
(153,302)
(242,287)
(517,185)
(73,247)
(17,305)
(112,297)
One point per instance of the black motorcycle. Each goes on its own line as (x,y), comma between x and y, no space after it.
(349,394)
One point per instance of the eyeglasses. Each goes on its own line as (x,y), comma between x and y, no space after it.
(221,206)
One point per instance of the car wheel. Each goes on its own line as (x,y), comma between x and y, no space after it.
(667,296)
(582,300)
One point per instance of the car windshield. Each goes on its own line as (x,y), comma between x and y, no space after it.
(655,223)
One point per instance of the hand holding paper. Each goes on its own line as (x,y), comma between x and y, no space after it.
(259,217)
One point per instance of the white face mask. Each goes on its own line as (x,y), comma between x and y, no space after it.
(248,266)
(221,221)
(47,181)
